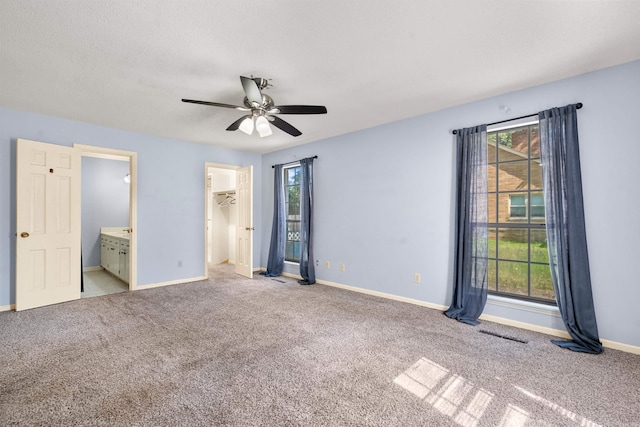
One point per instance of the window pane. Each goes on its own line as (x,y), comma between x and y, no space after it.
(513,244)
(503,207)
(513,176)
(294,210)
(537,212)
(292,251)
(541,284)
(491,208)
(293,242)
(504,140)
(536,175)
(513,277)
(520,140)
(535,141)
(492,243)
(539,250)
(491,178)
(492,275)
(537,199)
(536,209)
(491,149)
(293,175)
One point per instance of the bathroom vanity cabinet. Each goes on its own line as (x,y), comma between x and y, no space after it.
(114,252)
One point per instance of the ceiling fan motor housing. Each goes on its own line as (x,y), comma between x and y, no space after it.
(267,103)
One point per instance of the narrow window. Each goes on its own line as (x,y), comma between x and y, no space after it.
(292,213)
(518,256)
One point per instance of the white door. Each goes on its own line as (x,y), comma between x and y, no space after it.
(48,268)
(244,231)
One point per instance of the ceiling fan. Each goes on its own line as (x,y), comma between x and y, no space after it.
(261,109)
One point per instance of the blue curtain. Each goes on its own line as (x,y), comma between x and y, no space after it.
(275,263)
(470,275)
(566,236)
(307,270)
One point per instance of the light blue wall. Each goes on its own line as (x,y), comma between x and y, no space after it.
(170,193)
(105,203)
(385,196)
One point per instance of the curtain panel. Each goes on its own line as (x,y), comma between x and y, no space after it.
(566,235)
(470,275)
(307,269)
(275,262)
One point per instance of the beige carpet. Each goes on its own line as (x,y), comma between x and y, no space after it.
(267,352)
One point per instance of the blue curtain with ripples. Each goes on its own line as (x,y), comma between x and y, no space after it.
(275,262)
(470,275)
(566,234)
(307,269)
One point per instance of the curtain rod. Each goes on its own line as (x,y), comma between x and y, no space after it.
(578,106)
(295,161)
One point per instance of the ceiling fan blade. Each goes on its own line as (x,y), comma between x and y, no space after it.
(299,109)
(235,125)
(252,90)
(217,104)
(282,125)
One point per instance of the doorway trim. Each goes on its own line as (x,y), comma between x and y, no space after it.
(132,158)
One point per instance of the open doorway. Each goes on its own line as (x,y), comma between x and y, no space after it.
(109,200)
(229,218)
(222,216)
(105,226)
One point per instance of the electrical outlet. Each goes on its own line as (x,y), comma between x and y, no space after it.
(317,262)
(179,263)
(416,277)
(327,264)
(342,266)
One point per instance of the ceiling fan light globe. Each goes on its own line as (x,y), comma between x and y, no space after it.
(263,127)
(265,132)
(247,126)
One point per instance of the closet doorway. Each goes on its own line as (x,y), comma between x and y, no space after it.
(228,217)
(222,217)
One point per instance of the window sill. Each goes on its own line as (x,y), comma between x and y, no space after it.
(532,307)
(292,262)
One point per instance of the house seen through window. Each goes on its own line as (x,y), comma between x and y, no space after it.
(292,213)
(518,255)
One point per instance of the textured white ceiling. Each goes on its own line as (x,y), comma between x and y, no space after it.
(127,64)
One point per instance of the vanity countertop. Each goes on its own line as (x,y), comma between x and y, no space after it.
(117,232)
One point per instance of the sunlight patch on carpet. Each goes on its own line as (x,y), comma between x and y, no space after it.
(582,421)
(450,394)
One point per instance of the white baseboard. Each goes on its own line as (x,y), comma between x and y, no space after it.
(524,325)
(7,307)
(490,318)
(93,268)
(384,295)
(293,276)
(627,348)
(169,283)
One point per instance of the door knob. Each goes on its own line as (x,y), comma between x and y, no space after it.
(24,234)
